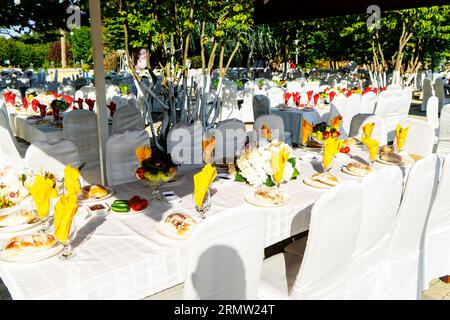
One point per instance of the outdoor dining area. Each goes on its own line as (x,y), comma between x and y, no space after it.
(204,183)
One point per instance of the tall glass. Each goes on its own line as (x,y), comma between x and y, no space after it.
(206,204)
(67,252)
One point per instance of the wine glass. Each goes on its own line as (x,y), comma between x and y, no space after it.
(67,252)
(206,204)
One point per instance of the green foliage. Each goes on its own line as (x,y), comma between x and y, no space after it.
(81,43)
(20,53)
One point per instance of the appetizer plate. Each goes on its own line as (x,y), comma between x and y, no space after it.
(345,170)
(130,213)
(169,232)
(33,257)
(20,205)
(83,200)
(402,163)
(21,227)
(316,184)
(251,199)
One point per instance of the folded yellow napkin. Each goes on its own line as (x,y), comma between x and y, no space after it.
(400,136)
(367,130)
(330,148)
(265,132)
(278,163)
(42,191)
(65,210)
(336,122)
(372,145)
(307,129)
(72,180)
(143,153)
(202,180)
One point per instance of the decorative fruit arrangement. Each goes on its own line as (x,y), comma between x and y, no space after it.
(322,131)
(136,204)
(159,167)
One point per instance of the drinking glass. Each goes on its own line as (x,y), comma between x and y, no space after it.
(206,205)
(67,252)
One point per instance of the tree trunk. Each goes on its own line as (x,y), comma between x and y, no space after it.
(63,49)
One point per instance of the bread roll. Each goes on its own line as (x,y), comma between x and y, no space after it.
(28,244)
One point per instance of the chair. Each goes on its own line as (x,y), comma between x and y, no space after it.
(338,107)
(379,131)
(8,144)
(432,115)
(276,125)
(405,102)
(294,86)
(378,216)
(184,144)
(443,146)
(368,102)
(439,92)
(224,258)
(437,236)
(420,138)
(333,232)
(121,157)
(67,90)
(427,92)
(80,127)
(352,108)
(127,118)
(383,104)
(276,96)
(230,140)
(52,156)
(247,104)
(261,105)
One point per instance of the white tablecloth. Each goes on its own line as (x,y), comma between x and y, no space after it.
(28,131)
(124,257)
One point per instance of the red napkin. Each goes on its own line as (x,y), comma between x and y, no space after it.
(112,108)
(55,111)
(297,98)
(6,96)
(69,100)
(80,103)
(316,98)
(34,105)
(375,90)
(382,89)
(287,96)
(42,109)
(332,95)
(309,93)
(368,89)
(349,93)
(25,103)
(90,103)
(10,98)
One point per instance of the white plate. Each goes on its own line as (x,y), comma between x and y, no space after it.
(250,198)
(38,256)
(167,231)
(393,163)
(22,204)
(316,184)
(110,194)
(21,227)
(345,170)
(131,212)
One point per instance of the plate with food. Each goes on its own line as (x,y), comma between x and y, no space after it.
(357,169)
(322,180)
(135,205)
(95,192)
(18,221)
(267,197)
(352,142)
(177,225)
(393,159)
(387,149)
(30,248)
(13,198)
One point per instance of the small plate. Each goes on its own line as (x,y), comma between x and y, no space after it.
(345,170)
(393,163)
(38,256)
(316,184)
(110,194)
(167,231)
(250,198)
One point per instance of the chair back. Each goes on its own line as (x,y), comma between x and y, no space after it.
(275,124)
(420,138)
(379,130)
(261,105)
(184,144)
(8,144)
(443,146)
(127,118)
(427,93)
(368,102)
(230,138)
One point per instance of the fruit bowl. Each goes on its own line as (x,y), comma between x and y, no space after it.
(322,132)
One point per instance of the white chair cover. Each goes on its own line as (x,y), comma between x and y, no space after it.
(8,144)
(184,144)
(352,108)
(230,140)
(52,156)
(274,122)
(427,92)
(261,105)
(443,146)
(439,92)
(404,269)
(420,138)
(406,101)
(383,104)
(247,104)
(276,96)
(121,157)
(379,130)
(378,215)
(230,108)
(294,86)
(224,258)
(67,90)
(437,237)
(368,102)
(127,118)
(432,114)
(80,127)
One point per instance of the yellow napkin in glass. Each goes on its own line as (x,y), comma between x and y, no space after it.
(278,163)
(72,180)
(367,131)
(42,191)
(331,146)
(265,132)
(143,153)
(336,122)
(207,142)
(400,136)
(372,145)
(65,210)
(307,129)
(202,180)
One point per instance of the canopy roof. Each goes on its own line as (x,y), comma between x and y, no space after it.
(272,11)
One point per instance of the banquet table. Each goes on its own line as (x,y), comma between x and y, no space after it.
(125,257)
(29,131)
(292,118)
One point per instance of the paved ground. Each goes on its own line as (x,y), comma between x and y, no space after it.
(438,290)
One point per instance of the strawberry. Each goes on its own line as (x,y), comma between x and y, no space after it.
(144,203)
(137,206)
